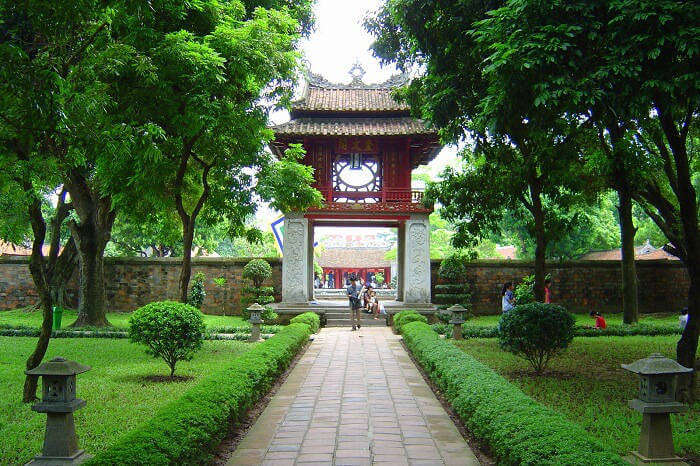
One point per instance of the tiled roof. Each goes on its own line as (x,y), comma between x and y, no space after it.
(320,99)
(341,126)
(353,258)
(640,253)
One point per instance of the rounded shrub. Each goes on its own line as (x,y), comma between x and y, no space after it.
(453,268)
(404,317)
(170,330)
(536,332)
(309,318)
(257,271)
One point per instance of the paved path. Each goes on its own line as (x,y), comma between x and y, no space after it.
(354,398)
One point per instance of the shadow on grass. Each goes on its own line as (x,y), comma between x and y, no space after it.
(149,379)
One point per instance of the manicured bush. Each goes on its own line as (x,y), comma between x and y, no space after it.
(257,271)
(197,293)
(450,288)
(517,429)
(309,318)
(170,330)
(403,317)
(188,430)
(453,268)
(536,332)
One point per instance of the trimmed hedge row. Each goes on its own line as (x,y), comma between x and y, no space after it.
(32,332)
(309,318)
(518,430)
(469,331)
(187,430)
(401,318)
(453,288)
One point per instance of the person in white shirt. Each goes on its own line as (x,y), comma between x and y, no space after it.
(683,318)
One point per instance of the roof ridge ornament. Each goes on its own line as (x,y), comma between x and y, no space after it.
(318,81)
(357,72)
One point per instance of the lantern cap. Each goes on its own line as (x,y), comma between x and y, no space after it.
(456,307)
(58,366)
(656,364)
(255,307)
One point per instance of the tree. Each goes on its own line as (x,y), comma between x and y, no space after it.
(169,330)
(58,114)
(519,158)
(217,65)
(536,332)
(629,67)
(54,105)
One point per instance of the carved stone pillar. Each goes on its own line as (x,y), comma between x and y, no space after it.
(416,270)
(400,259)
(295,259)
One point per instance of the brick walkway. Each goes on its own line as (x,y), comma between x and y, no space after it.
(354,398)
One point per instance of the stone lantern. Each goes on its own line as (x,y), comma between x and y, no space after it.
(457,320)
(656,401)
(255,320)
(58,401)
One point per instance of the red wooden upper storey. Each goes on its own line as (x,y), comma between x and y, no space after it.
(362,143)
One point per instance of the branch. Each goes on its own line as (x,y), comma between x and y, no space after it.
(73,58)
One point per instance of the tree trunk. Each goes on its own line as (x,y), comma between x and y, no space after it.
(186,270)
(540,241)
(91,234)
(686,349)
(38,272)
(630,312)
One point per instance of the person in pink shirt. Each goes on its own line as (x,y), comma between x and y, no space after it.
(547,291)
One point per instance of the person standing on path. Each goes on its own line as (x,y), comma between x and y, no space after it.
(355,292)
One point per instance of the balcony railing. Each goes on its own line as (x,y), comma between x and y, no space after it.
(384,196)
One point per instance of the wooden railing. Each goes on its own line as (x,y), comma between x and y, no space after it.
(386,195)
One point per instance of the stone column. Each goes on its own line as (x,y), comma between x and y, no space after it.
(416,270)
(295,259)
(400,259)
(310,259)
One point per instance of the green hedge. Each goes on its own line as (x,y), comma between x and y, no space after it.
(517,429)
(453,288)
(451,298)
(472,331)
(403,317)
(309,318)
(189,429)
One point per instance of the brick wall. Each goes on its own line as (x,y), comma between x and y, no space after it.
(133,282)
(580,286)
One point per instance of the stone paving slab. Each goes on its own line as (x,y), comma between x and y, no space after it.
(354,398)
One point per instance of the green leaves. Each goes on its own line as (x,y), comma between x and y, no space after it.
(171,331)
(287,183)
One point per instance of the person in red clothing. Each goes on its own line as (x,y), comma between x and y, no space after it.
(547,291)
(599,320)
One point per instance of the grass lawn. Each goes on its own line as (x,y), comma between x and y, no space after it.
(581,319)
(22,317)
(587,384)
(119,396)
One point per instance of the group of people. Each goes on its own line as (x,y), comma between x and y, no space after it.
(508,302)
(362,297)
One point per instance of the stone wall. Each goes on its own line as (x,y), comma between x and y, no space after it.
(582,285)
(133,282)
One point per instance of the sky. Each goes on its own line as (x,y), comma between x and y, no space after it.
(338,41)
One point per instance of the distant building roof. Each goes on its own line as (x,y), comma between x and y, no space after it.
(10,249)
(506,252)
(644,252)
(353,258)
